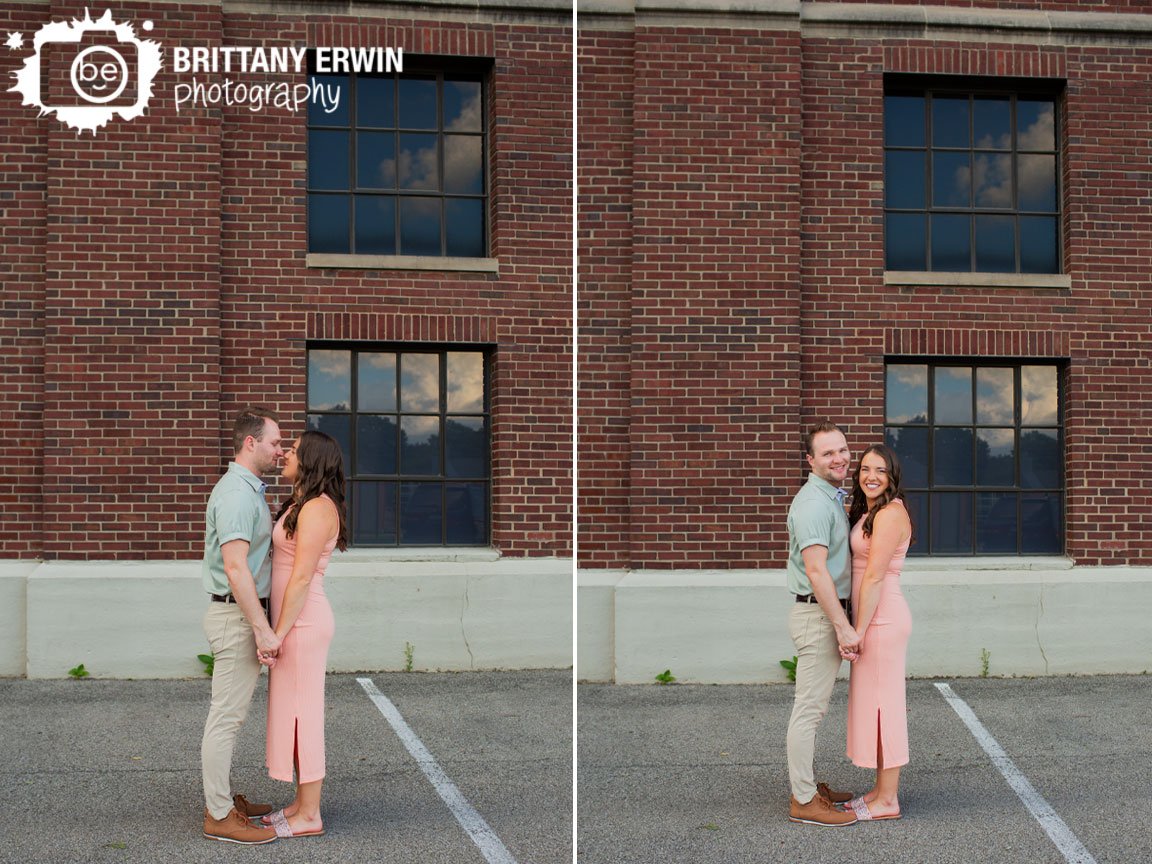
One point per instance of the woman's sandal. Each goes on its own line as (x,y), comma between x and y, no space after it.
(284,830)
(863,814)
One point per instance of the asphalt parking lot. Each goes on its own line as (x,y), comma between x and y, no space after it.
(693,773)
(109,771)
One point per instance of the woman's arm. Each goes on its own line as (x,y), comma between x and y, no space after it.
(316,525)
(890,528)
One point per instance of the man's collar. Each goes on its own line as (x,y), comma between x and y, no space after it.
(248,477)
(826,487)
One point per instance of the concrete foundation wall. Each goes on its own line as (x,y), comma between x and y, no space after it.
(143,619)
(1032,617)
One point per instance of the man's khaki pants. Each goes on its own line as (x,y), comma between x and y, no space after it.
(234,675)
(817,662)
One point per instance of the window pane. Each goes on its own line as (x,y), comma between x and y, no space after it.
(317,113)
(463,164)
(419,445)
(1038,405)
(917,504)
(995,244)
(375,444)
(906,394)
(464,220)
(992,123)
(421,513)
(419,166)
(375,225)
(911,446)
(904,121)
(904,179)
(951,179)
(904,242)
(996,457)
(329,160)
(463,106)
(328,223)
(465,382)
(339,426)
(1042,518)
(417,104)
(952,457)
(420,226)
(953,394)
(329,380)
(420,383)
(1038,246)
(1040,459)
(992,180)
(951,243)
(375,160)
(995,396)
(996,522)
(465,447)
(1037,182)
(466,515)
(376,382)
(951,523)
(1035,124)
(950,121)
(374,513)
(376,102)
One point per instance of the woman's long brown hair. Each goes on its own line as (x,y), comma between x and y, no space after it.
(895,490)
(320,471)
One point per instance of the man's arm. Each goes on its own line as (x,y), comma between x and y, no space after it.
(243,587)
(816,569)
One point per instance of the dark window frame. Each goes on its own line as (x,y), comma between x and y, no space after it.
(923,534)
(927,87)
(354,478)
(424,67)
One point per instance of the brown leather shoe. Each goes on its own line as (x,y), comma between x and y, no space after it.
(251,811)
(819,811)
(235,828)
(823,790)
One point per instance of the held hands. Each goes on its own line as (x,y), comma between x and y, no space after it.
(267,647)
(850,650)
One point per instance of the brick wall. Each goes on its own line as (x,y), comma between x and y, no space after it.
(757,277)
(160,282)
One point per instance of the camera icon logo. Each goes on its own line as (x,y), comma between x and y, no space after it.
(88,72)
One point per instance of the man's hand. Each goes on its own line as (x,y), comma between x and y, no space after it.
(267,642)
(848,638)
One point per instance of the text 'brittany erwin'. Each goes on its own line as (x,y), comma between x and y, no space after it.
(246,58)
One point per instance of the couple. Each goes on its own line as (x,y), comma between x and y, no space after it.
(845,572)
(270,609)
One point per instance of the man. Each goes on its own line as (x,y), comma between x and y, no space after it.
(237,574)
(820,575)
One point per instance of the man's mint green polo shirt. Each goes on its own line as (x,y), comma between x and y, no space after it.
(817,518)
(237,511)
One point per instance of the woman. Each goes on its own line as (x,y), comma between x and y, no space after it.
(309,526)
(877,711)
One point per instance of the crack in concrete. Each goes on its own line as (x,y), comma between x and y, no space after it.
(1039,641)
(463,631)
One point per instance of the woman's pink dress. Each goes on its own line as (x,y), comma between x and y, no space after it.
(296,682)
(876,686)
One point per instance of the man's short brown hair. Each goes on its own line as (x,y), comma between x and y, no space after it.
(250,421)
(823,426)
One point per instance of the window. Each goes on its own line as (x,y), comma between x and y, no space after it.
(400,167)
(413,424)
(981,447)
(971,178)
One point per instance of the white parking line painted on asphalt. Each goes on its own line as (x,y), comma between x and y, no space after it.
(1056,829)
(490,846)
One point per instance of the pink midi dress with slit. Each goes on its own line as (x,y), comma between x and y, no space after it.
(296,682)
(876,697)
